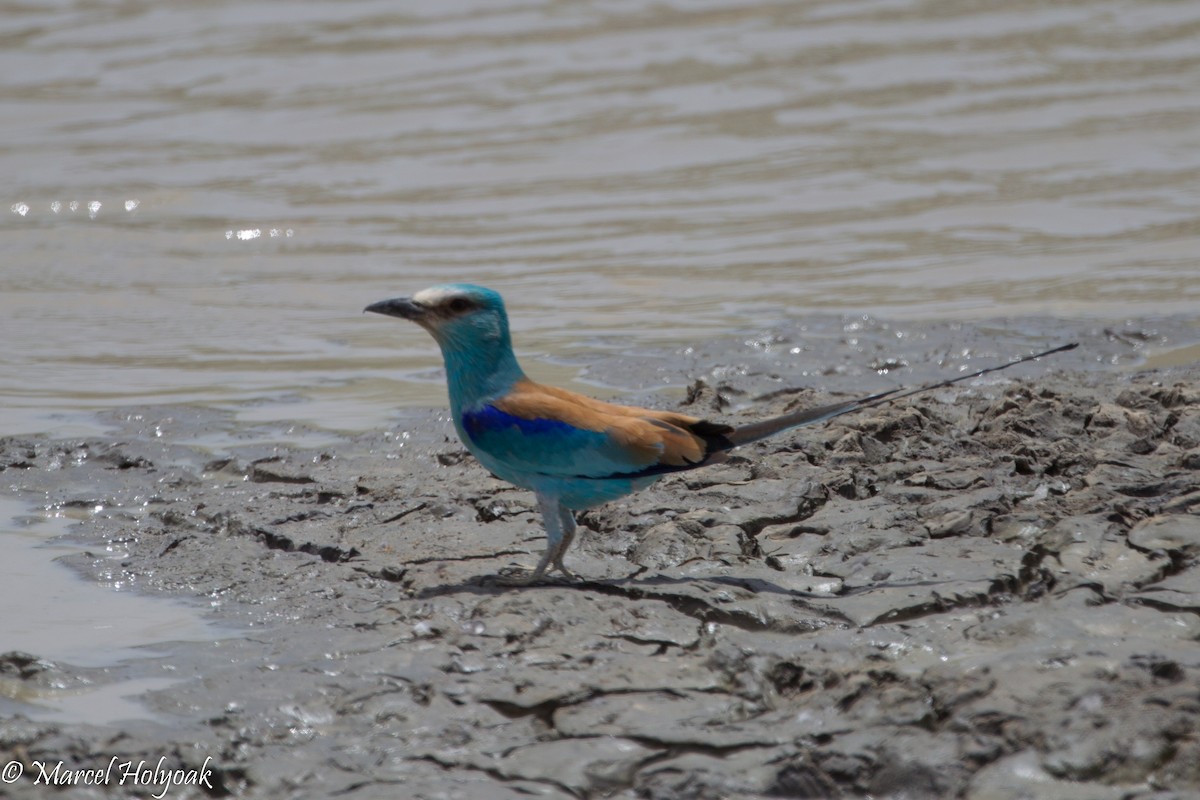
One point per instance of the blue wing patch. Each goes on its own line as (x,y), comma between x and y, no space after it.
(490,418)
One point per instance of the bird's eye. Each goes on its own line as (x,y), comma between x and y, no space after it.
(459,305)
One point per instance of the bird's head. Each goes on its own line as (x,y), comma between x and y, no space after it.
(461,317)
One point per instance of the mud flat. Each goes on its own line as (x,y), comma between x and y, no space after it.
(989,592)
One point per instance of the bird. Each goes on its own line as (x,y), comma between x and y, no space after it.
(572,451)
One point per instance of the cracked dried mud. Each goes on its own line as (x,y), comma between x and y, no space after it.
(990,592)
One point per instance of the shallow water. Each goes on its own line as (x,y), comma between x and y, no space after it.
(199,198)
(50,613)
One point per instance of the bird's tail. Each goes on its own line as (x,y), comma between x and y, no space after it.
(728,439)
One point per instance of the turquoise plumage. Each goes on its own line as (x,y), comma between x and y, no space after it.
(572,451)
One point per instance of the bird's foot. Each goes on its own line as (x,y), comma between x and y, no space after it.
(522,576)
(573,577)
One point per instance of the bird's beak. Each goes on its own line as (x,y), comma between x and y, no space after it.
(402,307)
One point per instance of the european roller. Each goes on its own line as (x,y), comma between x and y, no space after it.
(571,451)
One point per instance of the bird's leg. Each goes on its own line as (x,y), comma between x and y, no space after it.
(558,536)
(567,520)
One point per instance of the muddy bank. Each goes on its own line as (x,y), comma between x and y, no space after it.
(987,592)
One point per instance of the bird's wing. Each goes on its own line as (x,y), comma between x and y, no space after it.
(550,431)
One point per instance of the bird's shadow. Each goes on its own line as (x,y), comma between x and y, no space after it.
(638,584)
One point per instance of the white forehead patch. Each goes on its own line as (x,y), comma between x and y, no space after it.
(435,295)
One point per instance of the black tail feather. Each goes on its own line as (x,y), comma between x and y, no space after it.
(728,439)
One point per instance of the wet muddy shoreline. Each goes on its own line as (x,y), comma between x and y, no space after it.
(985,592)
